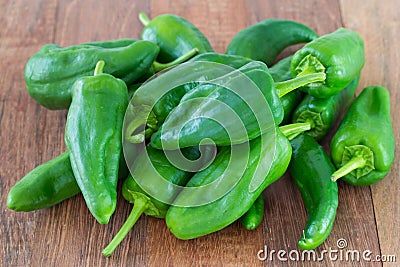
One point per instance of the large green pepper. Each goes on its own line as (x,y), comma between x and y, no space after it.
(264,40)
(187,222)
(174,35)
(363,146)
(50,73)
(339,54)
(159,108)
(189,123)
(322,113)
(149,164)
(281,72)
(311,168)
(93,136)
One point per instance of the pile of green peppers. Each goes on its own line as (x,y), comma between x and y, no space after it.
(117,130)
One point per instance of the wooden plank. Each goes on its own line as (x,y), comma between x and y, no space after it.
(378,24)
(67,235)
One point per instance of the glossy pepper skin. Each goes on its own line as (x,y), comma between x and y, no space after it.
(254,216)
(49,184)
(149,164)
(46,185)
(50,73)
(176,128)
(265,40)
(281,72)
(311,169)
(363,147)
(174,35)
(324,112)
(196,221)
(256,93)
(340,55)
(93,137)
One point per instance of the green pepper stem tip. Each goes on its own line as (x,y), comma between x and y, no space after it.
(138,208)
(99,67)
(294,129)
(286,87)
(161,66)
(144,19)
(351,165)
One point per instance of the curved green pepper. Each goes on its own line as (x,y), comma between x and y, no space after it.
(46,185)
(174,35)
(254,216)
(264,40)
(363,146)
(194,221)
(322,113)
(93,136)
(281,72)
(311,168)
(176,129)
(50,73)
(339,54)
(147,165)
(49,184)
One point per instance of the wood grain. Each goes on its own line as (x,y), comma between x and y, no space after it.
(67,235)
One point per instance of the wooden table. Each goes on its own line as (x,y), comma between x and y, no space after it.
(67,235)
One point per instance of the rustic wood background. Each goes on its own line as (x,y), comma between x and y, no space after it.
(67,235)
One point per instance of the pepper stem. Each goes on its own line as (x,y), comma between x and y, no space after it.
(99,67)
(286,87)
(138,208)
(144,19)
(161,66)
(294,129)
(351,165)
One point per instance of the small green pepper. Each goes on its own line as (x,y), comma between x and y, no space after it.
(149,164)
(339,54)
(93,136)
(264,40)
(266,162)
(174,35)
(254,216)
(322,113)
(49,184)
(311,169)
(50,73)
(363,146)
(46,185)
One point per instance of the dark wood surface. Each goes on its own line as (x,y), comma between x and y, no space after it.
(67,235)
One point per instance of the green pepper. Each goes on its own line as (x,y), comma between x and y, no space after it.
(149,164)
(254,216)
(45,186)
(322,113)
(281,72)
(189,123)
(311,169)
(93,136)
(159,108)
(266,161)
(363,146)
(265,40)
(174,35)
(49,184)
(339,54)
(50,73)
